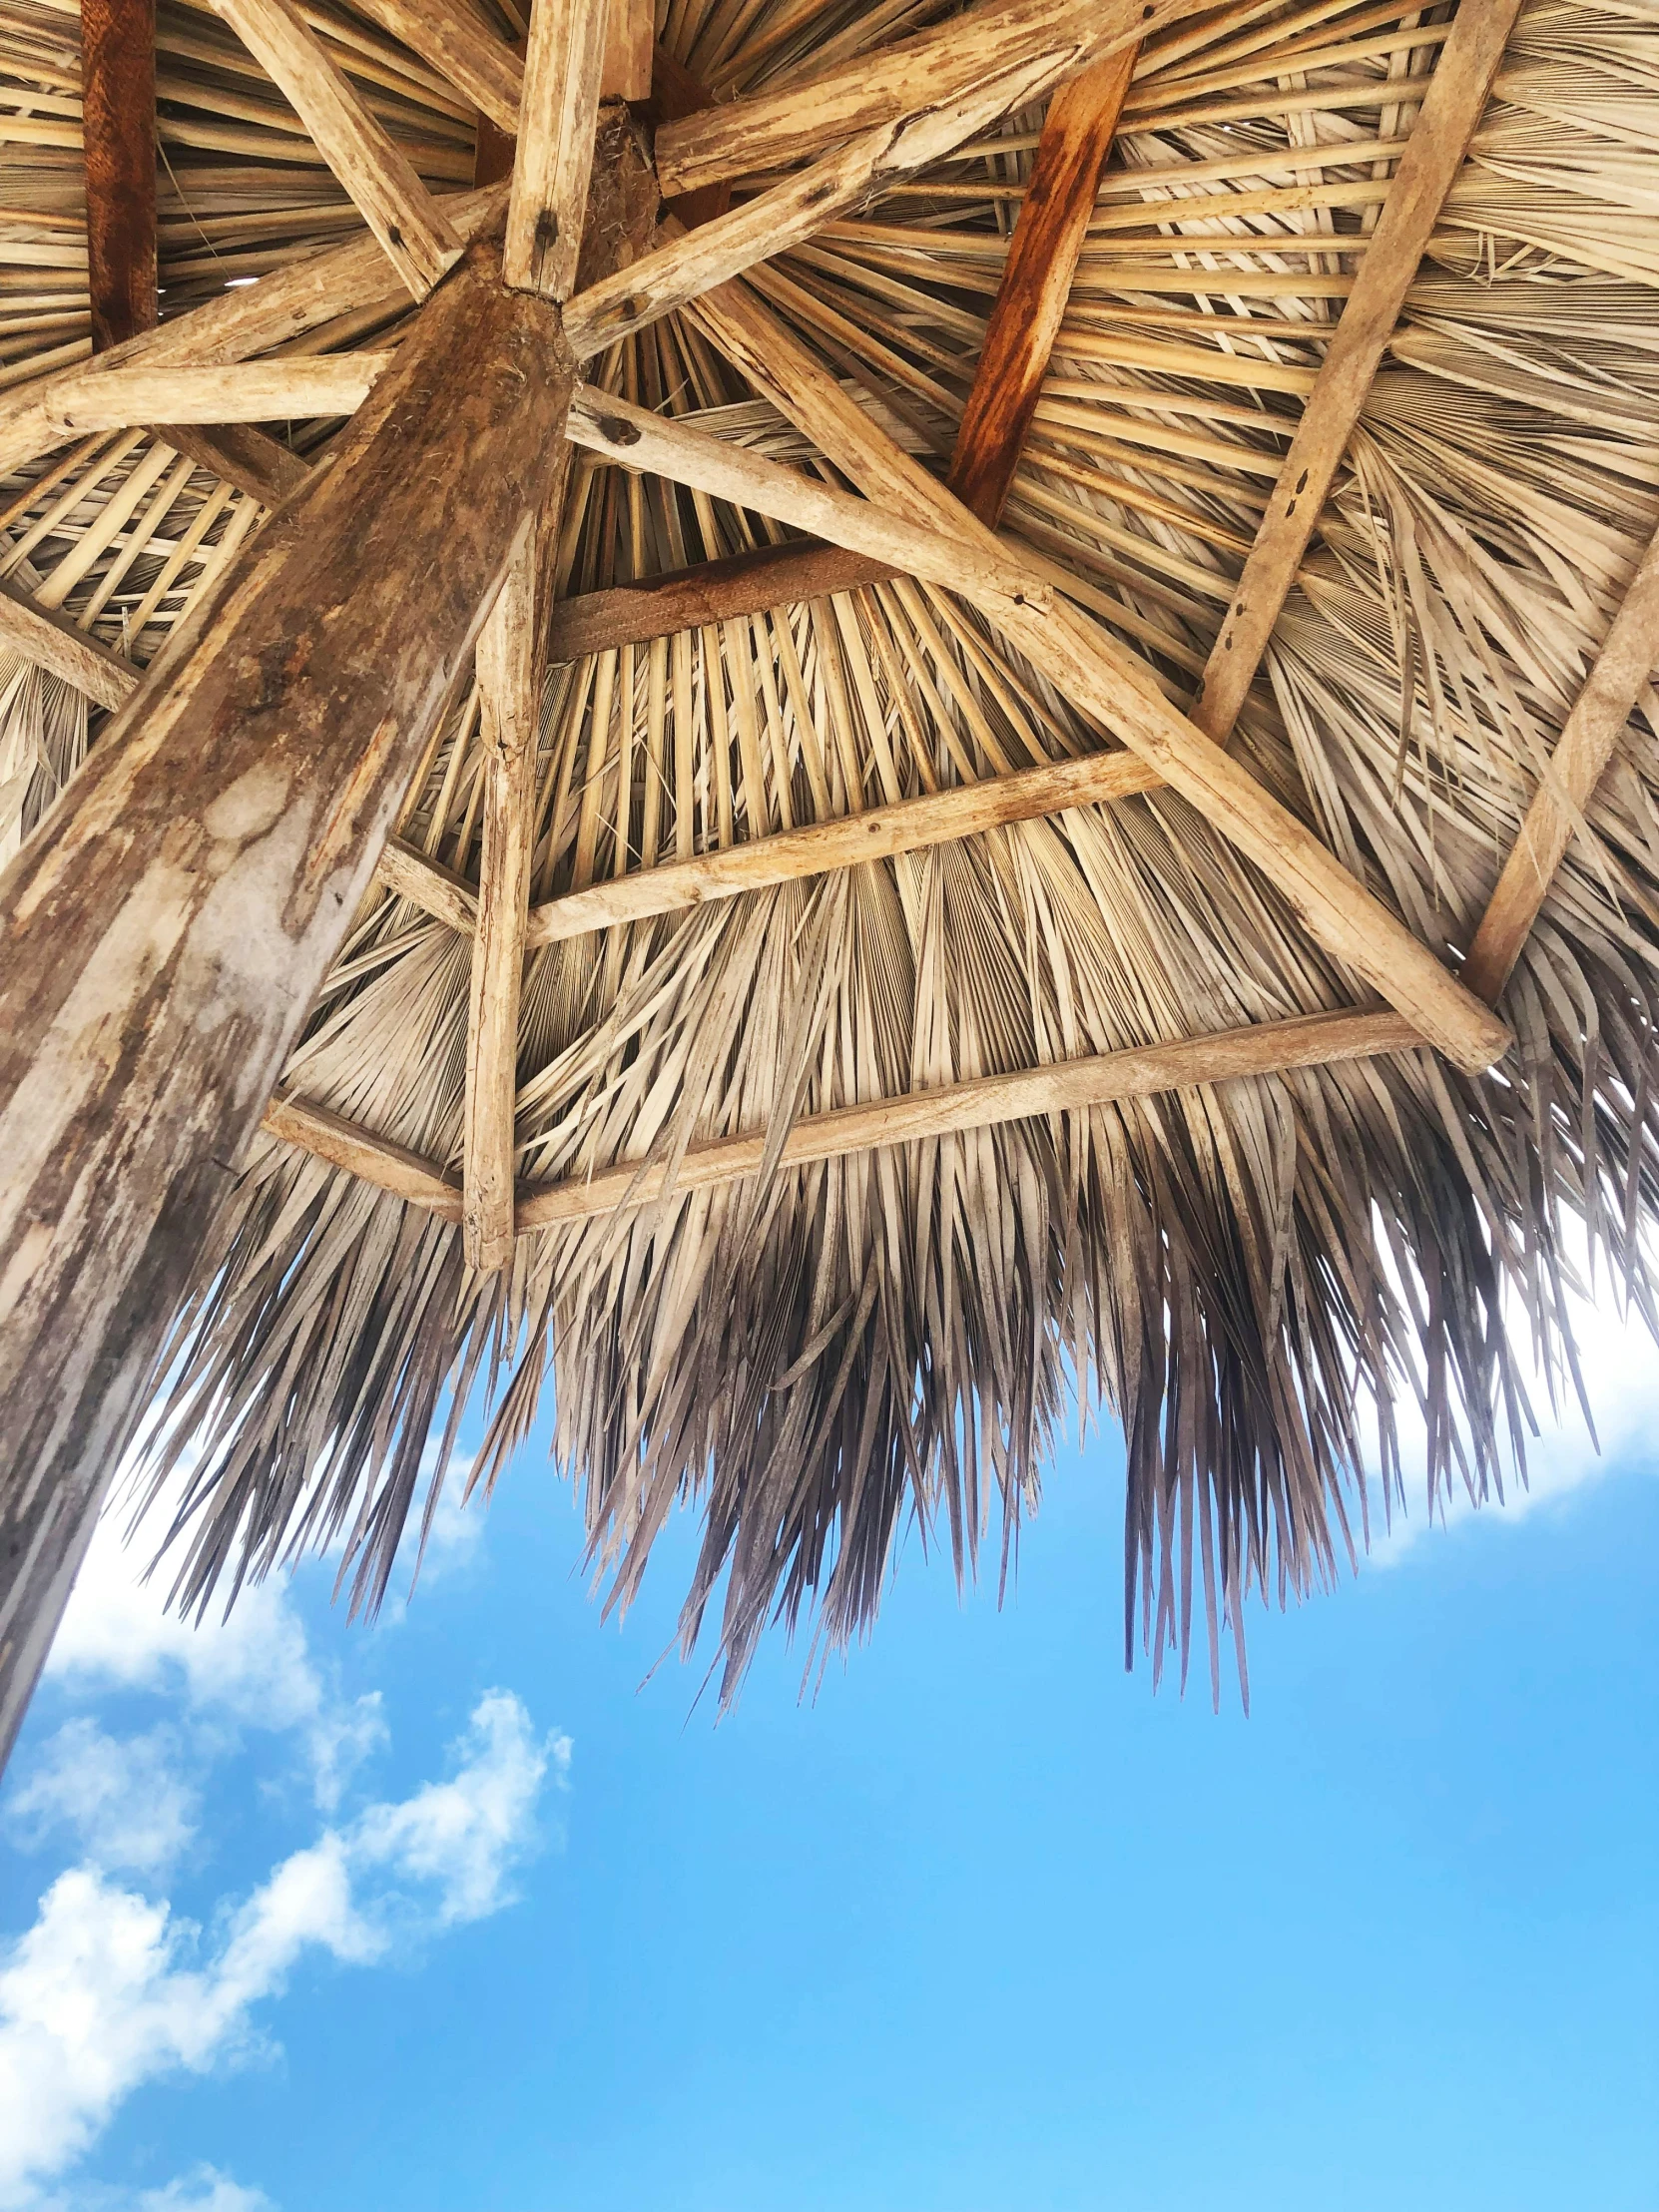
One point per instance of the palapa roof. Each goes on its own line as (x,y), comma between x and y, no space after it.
(820,1331)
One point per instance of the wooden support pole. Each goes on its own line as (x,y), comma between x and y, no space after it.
(507,733)
(967,97)
(558,118)
(630,42)
(712,591)
(51,641)
(118,122)
(410,225)
(1589,738)
(1434,153)
(1337,910)
(1062,1087)
(452,38)
(767,131)
(294,387)
(1031,299)
(256,464)
(159,950)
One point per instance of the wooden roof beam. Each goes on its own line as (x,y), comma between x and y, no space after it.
(1434,153)
(968,92)
(558,118)
(298,385)
(1063,1086)
(1337,910)
(507,733)
(1589,739)
(711,591)
(453,39)
(739,138)
(1030,302)
(51,641)
(413,227)
(118,121)
(630,49)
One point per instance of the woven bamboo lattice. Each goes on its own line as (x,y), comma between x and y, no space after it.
(760,1263)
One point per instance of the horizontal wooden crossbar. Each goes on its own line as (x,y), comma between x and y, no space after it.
(1066,1086)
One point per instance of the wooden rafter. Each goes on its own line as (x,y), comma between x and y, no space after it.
(1064,1086)
(1451,110)
(630,42)
(555,146)
(298,385)
(51,641)
(204,867)
(413,229)
(1031,298)
(118,105)
(1589,739)
(771,130)
(712,591)
(1338,913)
(452,38)
(507,733)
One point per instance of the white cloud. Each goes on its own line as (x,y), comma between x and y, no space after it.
(205,2189)
(125,1800)
(109,1989)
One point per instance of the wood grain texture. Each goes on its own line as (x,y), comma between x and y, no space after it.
(966,98)
(710,591)
(1434,153)
(630,42)
(1338,913)
(51,641)
(294,388)
(390,1167)
(1589,738)
(242,455)
(736,137)
(459,46)
(914,825)
(1030,302)
(159,949)
(507,733)
(436,889)
(118,122)
(411,225)
(558,118)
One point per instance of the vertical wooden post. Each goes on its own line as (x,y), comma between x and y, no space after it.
(161,942)
(118,96)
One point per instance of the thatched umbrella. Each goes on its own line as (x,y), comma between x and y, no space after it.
(916,680)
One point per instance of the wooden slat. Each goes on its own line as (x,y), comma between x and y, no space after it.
(1338,913)
(629,38)
(1062,1087)
(118,122)
(51,641)
(1031,299)
(1589,739)
(455,39)
(413,229)
(507,733)
(559,114)
(437,889)
(296,388)
(1434,153)
(913,825)
(965,98)
(773,130)
(158,952)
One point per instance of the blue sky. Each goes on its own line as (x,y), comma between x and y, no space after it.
(465,1911)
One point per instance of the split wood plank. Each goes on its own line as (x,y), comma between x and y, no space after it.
(852,840)
(1446,122)
(118,123)
(769,130)
(507,733)
(455,39)
(239,455)
(51,641)
(1063,1086)
(967,94)
(296,388)
(413,227)
(160,950)
(630,41)
(559,115)
(1589,739)
(1336,910)
(349,279)
(1031,298)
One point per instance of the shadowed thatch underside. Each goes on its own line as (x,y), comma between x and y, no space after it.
(818,1353)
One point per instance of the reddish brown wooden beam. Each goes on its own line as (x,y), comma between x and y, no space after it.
(117,96)
(1036,281)
(712,591)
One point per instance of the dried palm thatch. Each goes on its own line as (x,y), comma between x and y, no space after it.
(847,1337)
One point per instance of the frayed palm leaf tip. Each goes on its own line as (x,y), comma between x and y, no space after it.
(1267,1279)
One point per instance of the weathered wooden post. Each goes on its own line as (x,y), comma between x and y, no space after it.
(163,937)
